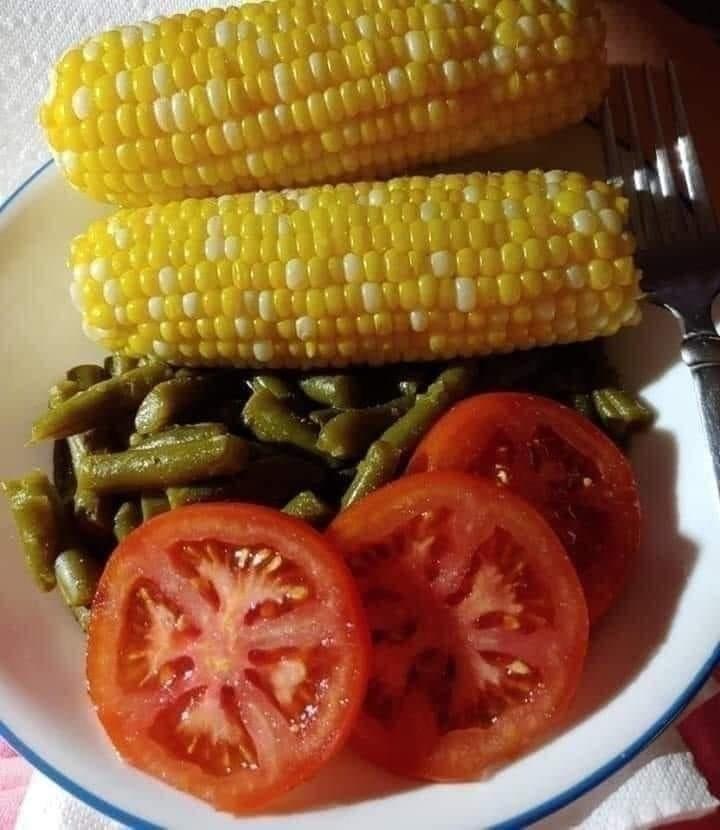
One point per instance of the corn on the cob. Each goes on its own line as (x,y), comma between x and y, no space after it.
(411,269)
(297,92)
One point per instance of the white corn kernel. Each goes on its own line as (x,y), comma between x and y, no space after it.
(244,328)
(100,269)
(162,79)
(441,263)
(266,306)
(214,248)
(295,274)
(306,328)
(371,297)
(167,277)
(418,320)
(123,85)
(191,304)
(156,307)
(352,266)
(611,220)
(263,351)
(82,102)
(111,292)
(465,294)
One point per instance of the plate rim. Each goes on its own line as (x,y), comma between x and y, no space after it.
(542,810)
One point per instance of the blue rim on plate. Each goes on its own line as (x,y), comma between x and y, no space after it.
(518,822)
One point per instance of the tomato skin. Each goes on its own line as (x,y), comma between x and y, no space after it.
(126,716)
(410,746)
(461,437)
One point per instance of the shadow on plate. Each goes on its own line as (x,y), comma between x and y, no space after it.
(644,612)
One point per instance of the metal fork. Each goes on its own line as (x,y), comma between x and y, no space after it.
(677,233)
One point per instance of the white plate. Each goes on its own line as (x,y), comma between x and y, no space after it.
(647,658)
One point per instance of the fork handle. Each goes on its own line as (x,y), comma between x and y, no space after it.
(701,353)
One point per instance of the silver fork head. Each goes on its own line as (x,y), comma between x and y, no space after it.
(670,209)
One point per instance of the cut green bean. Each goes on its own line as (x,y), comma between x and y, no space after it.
(337,391)
(105,400)
(274,384)
(311,509)
(153,504)
(161,467)
(118,364)
(381,463)
(272,481)
(177,435)
(127,518)
(349,433)
(619,412)
(93,511)
(87,375)
(167,402)
(385,457)
(77,575)
(270,419)
(451,385)
(61,392)
(35,507)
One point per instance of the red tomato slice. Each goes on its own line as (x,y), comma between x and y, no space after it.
(561,463)
(478,623)
(227,652)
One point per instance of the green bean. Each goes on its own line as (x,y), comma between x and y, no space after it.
(63,472)
(619,412)
(450,386)
(153,504)
(270,419)
(127,518)
(93,510)
(274,384)
(160,467)
(308,507)
(77,575)
(61,392)
(177,435)
(166,402)
(379,466)
(272,481)
(118,364)
(35,507)
(87,375)
(337,391)
(103,401)
(82,615)
(395,445)
(349,434)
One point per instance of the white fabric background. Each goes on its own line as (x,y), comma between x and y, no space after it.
(661,783)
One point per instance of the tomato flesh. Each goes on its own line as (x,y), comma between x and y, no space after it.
(478,623)
(227,652)
(560,462)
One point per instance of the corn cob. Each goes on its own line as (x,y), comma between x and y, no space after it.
(410,269)
(297,92)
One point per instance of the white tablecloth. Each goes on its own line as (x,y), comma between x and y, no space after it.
(660,783)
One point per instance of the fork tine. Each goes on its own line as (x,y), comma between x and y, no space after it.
(688,159)
(640,184)
(667,198)
(613,167)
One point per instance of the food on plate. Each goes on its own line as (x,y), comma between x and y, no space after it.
(559,462)
(232,661)
(296,92)
(279,357)
(478,624)
(418,268)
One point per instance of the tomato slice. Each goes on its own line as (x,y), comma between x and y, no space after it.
(560,462)
(477,618)
(227,652)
